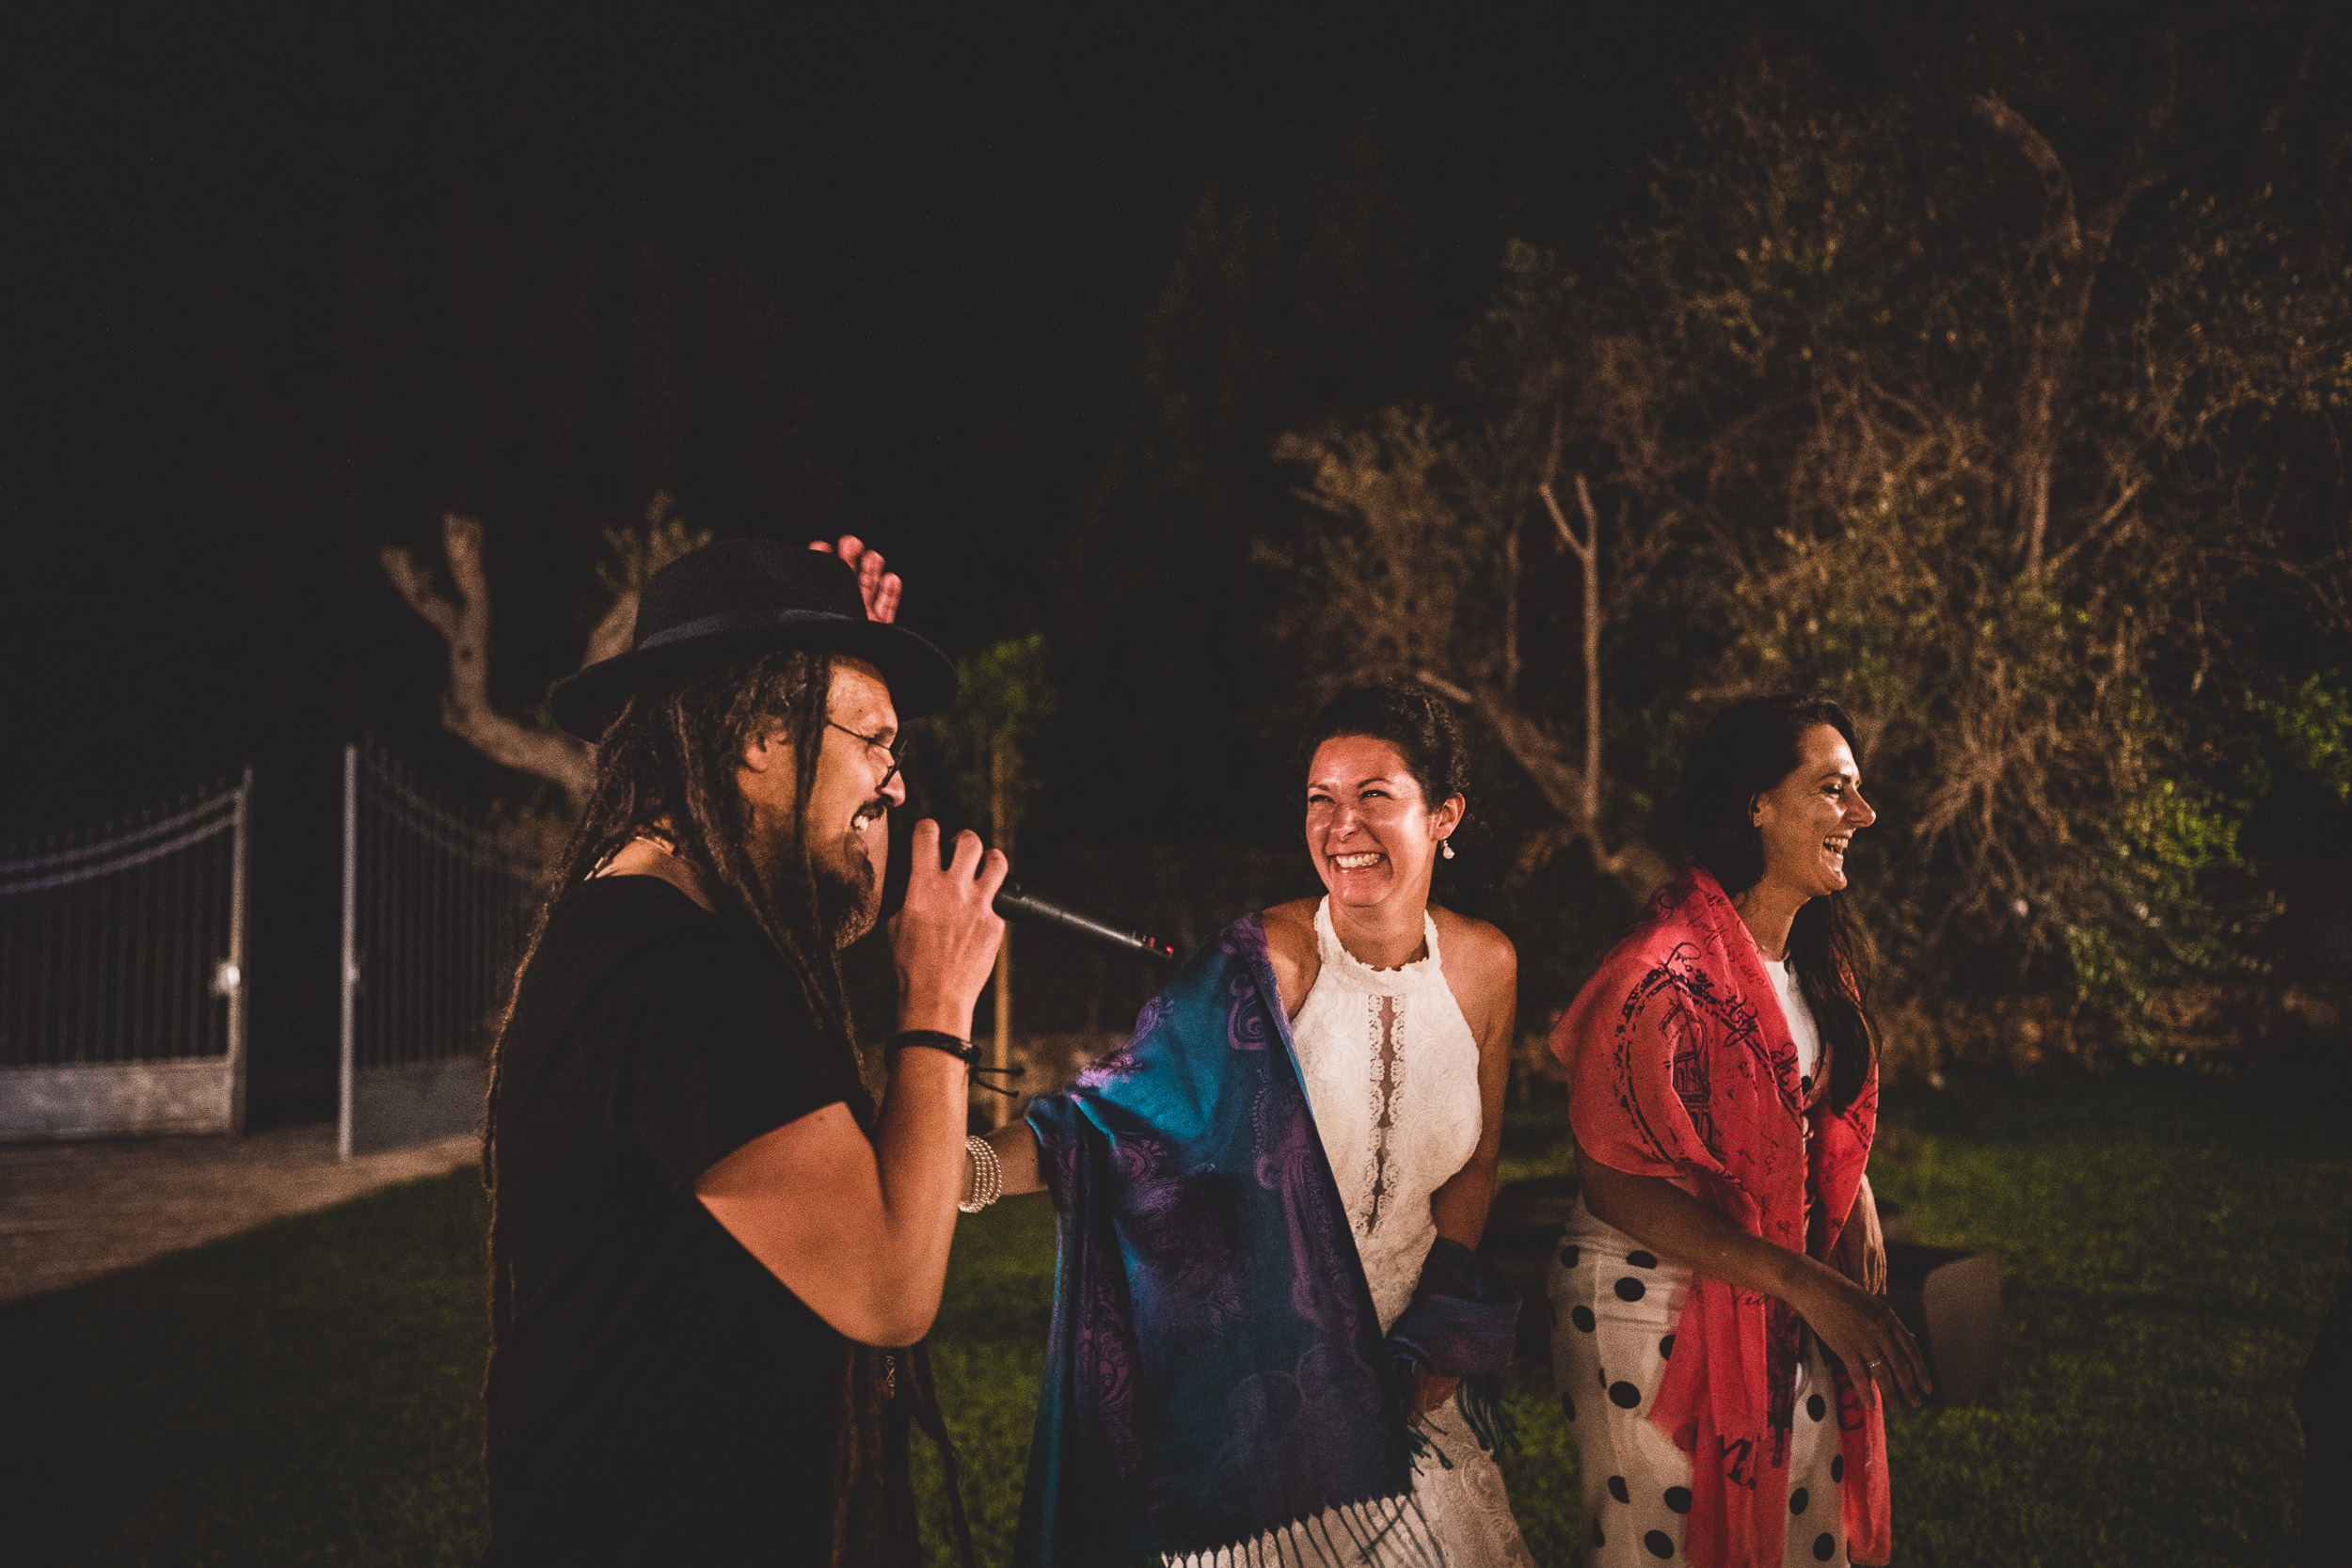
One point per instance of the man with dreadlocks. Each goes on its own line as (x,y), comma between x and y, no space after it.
(709,1250)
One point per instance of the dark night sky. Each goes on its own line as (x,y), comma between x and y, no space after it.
(967,227)
(964,226)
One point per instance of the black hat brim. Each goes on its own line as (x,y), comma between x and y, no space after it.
(920,677)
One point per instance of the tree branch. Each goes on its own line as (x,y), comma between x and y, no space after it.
(1637,866)
(2057,189)
(463,623)
(1592,652)
(1560,521)
(2053,326)
(2099,524)
(613,633)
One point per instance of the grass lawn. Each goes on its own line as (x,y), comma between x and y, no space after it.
(305,1394)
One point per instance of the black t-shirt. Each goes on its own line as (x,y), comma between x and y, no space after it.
(659,1397)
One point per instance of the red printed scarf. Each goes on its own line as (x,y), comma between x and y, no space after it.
(1681,1066)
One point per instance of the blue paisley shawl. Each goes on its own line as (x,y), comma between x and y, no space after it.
(1214,1370)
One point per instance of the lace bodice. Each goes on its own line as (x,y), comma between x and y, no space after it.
(1391,1072)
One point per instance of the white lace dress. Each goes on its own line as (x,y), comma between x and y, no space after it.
(1392,1072)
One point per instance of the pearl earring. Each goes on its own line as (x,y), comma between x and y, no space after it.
(1445,847)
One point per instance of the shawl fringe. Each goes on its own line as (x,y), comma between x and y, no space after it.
(1383,1532)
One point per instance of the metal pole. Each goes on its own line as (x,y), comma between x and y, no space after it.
(239,850)
(139,1027)
(351,949)
(189,1004)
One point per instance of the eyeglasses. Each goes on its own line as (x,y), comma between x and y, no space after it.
(888,749)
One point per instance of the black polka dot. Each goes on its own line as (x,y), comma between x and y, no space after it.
(1659,1544)
(1629,1289)
(1581,1317)
(1616,1489)
(1798,1499)
(1666,1346)
(1837,1468)
(1678,1499)
(1599,1539)
(1815,1407)
(1641,1260)
(1823,1545)
(1569,1256)
(1624,1394)
(1567,1405)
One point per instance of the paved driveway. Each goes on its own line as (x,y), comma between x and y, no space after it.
(71,1211)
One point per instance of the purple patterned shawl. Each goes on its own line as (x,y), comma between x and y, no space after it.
(1215,1367)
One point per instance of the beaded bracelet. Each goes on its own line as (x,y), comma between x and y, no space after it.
(988,1176)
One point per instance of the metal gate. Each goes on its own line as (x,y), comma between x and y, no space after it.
(435,911)
(122,974)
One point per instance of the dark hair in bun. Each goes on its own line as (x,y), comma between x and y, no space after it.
(1411,718)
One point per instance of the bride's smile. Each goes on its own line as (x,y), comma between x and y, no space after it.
(1373,838)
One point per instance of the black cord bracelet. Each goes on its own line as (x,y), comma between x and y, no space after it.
(963,1051)
(931,1040)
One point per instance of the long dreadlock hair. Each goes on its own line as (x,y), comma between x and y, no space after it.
(672,755)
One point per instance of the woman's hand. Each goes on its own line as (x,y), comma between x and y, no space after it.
(1859,1328)
(880,589)
(1860,1254)
(1430,1391)
(1862,1332)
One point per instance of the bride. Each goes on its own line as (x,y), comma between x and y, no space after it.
(1225,1380)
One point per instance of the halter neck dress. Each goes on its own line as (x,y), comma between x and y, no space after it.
(1392,1074)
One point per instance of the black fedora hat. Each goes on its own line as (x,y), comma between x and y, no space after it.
(741,595)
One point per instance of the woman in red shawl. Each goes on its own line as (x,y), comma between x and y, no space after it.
(1723,1273)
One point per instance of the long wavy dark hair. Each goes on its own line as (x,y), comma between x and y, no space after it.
(1746,751)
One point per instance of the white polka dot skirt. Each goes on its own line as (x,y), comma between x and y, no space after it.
(1613,1311)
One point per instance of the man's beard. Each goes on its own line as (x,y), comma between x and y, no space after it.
(848,895)
(847,902)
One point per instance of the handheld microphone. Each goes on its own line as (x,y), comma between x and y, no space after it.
(1014,904)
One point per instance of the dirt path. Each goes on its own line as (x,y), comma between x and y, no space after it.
(71,1211)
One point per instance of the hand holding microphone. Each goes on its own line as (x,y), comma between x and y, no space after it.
(1011,902)
(1045,916)
(945,936)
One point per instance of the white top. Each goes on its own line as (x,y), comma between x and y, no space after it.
(1392,1074)
(1792,1007)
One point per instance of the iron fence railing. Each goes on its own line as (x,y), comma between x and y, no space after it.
(435,911)
(122,954)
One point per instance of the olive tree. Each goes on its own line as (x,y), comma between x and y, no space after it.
(2023,444)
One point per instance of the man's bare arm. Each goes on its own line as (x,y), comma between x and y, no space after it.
(859,1230)
(862,1240)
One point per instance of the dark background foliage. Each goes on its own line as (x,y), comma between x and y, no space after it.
(1034,308)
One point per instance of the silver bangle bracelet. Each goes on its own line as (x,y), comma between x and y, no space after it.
(987,1184)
